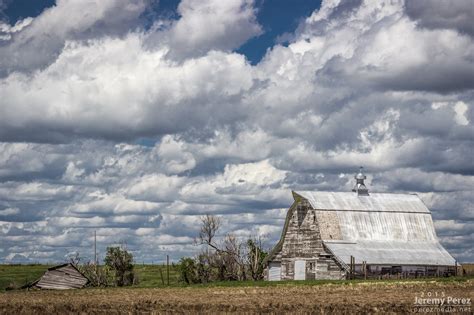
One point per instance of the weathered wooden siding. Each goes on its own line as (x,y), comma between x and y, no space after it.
(302,241)
(61,278)
(329,223)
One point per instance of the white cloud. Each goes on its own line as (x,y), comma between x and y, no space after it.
(136,133)
(95,89)
(155,187)
(34,191)
(174,157)
(9,211)
(261,173)
(113,204)
(460,109)
(212,24)
(37,42)
(6,30)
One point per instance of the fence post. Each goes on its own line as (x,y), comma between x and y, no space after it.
(168,269)
(351,268)
(364,266)
(161,274)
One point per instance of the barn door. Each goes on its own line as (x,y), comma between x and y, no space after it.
(300,270)
(274,271)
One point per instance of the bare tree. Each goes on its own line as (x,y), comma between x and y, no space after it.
(234,257)
(74,258)
(209,226)
(229,259)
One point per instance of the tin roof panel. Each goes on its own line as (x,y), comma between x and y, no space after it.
(349,201)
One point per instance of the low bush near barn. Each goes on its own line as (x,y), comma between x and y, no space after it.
(120,261)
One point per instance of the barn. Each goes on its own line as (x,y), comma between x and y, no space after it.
(61,277)
(339,235)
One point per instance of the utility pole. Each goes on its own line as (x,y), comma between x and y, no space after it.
(95,247)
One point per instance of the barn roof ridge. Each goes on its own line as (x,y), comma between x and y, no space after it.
(351,193)
(350,201)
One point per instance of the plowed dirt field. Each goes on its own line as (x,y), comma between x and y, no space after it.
(363,298)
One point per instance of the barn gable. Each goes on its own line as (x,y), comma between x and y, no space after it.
(301,241)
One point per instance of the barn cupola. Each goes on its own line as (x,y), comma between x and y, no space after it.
(360,187)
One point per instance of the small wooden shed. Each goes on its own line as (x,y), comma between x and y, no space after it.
(61,277)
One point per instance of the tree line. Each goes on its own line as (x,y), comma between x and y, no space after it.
(223,259)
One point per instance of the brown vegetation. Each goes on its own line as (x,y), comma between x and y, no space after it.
(225,258)
(369,297)
(466,270)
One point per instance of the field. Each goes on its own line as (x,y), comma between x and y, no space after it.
(19,275)
(148,275)
(152,297)
(468,269)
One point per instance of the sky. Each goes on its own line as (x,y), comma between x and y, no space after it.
(133,118)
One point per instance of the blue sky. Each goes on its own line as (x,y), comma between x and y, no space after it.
(20,9)
(134,117)
(277,17)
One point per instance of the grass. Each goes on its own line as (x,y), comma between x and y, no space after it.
(152,276)
(155,276)
(468,268)
(323,282)
(19,275)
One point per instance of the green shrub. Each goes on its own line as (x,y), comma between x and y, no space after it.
(121,261)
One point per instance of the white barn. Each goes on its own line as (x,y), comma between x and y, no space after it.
(333,235)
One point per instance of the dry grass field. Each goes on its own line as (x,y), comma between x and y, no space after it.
(467,269)
(338,298)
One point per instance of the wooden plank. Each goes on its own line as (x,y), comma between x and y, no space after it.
(61,278)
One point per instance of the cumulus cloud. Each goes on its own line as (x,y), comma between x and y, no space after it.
(211,24)
(155,96)
(35,43)
(442,14)
(136,132)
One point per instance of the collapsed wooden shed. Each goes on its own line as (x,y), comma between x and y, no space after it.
(61,277)
(335,235)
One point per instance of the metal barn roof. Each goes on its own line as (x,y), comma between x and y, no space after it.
(392,253)
(383,202)
(378,228)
